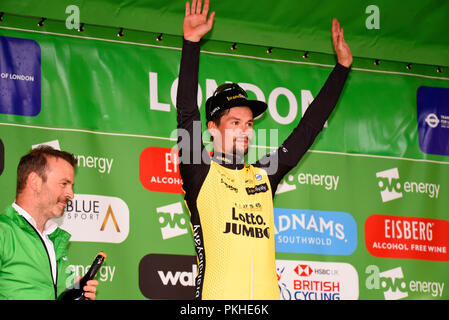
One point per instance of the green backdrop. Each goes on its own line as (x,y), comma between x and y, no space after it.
(375,205)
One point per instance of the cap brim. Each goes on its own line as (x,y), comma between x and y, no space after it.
(256,106)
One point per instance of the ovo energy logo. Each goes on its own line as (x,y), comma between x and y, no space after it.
(172,220)
(391,282)
(394,286)
(392,188)
(388,182)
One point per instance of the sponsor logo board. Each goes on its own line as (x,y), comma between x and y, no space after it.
(388,236)
(95,218)
(167,276)
(159,171)
(433,120)
(392,187)
(312,231)
(314,280)
(20,76)
(394,285)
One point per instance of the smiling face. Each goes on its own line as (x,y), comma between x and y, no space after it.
(57,189)
(234,131)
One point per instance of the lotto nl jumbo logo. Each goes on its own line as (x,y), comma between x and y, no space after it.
(172,220)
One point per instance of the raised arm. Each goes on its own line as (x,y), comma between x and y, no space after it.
(301,139)
(190,144)
(195,26)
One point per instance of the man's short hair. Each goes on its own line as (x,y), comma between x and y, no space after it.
(36,161)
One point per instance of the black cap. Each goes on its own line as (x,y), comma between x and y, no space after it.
(230,95)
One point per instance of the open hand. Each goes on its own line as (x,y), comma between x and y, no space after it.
(344,55)
(196,23)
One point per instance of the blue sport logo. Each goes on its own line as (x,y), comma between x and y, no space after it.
(20,76)
(311,231)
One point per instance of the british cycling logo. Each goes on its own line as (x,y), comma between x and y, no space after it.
(393,285)
(172,220)
(392,188)
(312,231)
(316,280)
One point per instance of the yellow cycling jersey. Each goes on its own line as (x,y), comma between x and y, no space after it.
(231,204)
(235,209)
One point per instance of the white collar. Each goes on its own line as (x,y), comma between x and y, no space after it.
(50,225)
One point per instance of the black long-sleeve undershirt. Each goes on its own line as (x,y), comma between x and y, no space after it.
(194,159)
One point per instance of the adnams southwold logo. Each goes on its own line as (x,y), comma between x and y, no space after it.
(95,218)
(394,285)
(312,231)
(393,187)
(172,220)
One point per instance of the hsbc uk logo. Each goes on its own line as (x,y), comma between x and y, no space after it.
(391,187)
(172,220)
(315,280)
(303,270)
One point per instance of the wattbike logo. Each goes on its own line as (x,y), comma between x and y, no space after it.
(166,276)
(394,286)
(391,187)
(172,220)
